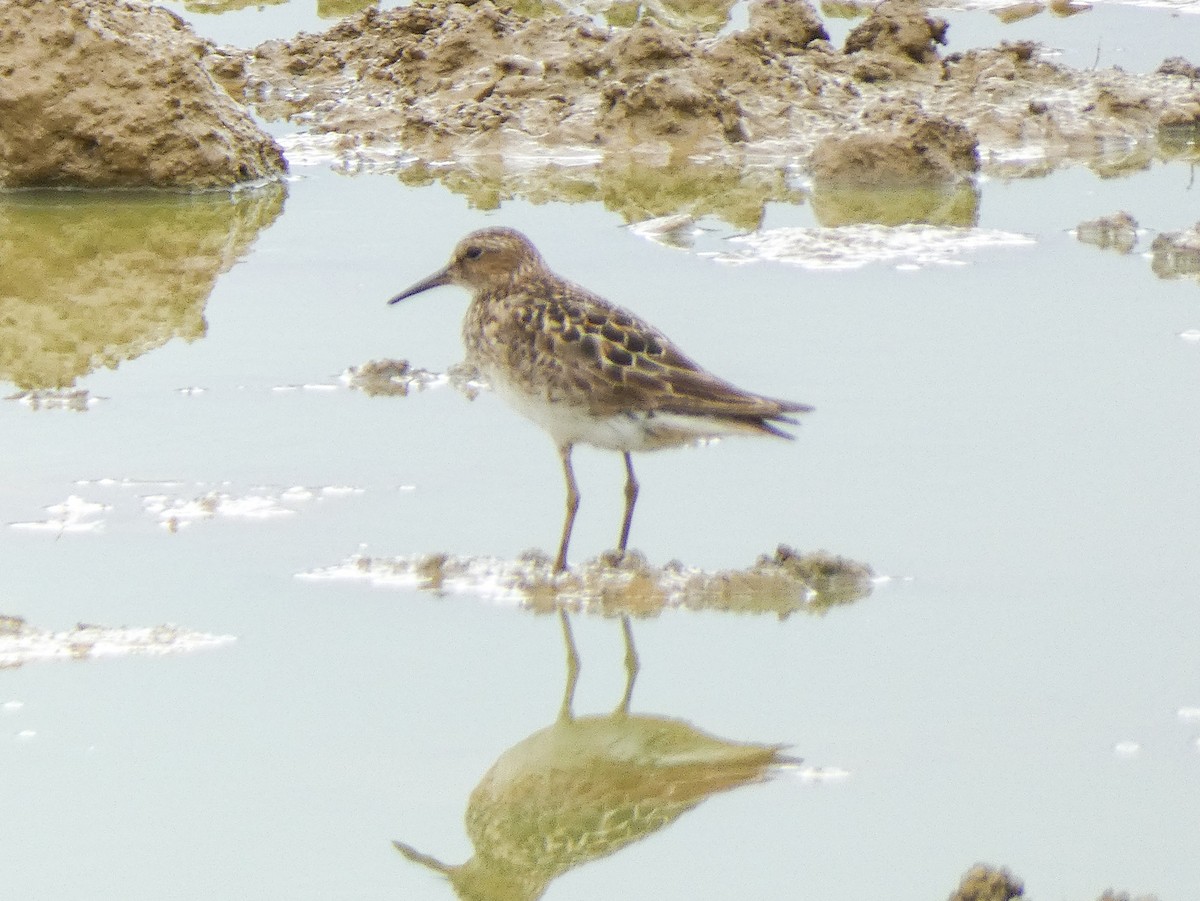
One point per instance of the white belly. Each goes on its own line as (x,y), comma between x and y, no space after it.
(633,431)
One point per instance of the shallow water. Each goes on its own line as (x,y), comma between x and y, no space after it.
(1007,434)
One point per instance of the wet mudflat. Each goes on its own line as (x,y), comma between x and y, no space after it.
(1005,433)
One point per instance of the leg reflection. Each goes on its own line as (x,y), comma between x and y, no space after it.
(565,712)
(632,664)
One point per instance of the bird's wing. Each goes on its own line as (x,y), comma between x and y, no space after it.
(624,364)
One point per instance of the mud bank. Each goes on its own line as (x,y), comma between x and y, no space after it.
(780,583)
(449,82)
(114,94)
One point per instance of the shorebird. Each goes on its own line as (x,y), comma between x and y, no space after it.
(586,370)
(586,787)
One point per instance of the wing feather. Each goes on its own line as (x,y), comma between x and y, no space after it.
(627,365)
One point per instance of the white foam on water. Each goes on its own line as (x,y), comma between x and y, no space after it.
(856,246)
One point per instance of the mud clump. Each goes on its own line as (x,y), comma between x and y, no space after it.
(399,378)
(114,94)
(1177,65)
(985,883)
(668,107)
(1018,12)
(783,27)
(899,29)
(1176,254)
(388,378)
(1116,232)
(684,106)
(897,143)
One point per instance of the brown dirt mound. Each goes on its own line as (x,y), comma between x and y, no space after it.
(897,143)
(452,81)
(114,94)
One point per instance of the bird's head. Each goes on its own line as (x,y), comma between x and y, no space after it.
(482,261)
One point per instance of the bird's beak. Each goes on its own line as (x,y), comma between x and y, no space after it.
(423,859)
(439,278)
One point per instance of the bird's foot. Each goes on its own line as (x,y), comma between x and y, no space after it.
(625,559)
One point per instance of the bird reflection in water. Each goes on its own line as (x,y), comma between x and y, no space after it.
(586,787)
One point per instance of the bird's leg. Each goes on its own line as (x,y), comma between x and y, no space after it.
(568,700)
(631,493)
(632,664)
(560,565)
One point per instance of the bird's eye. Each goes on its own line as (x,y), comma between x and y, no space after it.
(473,253)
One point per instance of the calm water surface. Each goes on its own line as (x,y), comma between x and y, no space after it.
(1010,438)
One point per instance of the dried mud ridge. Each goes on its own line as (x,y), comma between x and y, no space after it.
(452,81)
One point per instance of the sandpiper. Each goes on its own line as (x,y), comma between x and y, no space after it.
(586,370)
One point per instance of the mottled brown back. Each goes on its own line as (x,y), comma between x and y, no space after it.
(560,338)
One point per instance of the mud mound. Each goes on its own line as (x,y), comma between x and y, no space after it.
(113,94)
(449,82)
(897,143)
(1177,254)
(899,28)
(986,883)
(1116,232)
(783,27)
(448,78)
